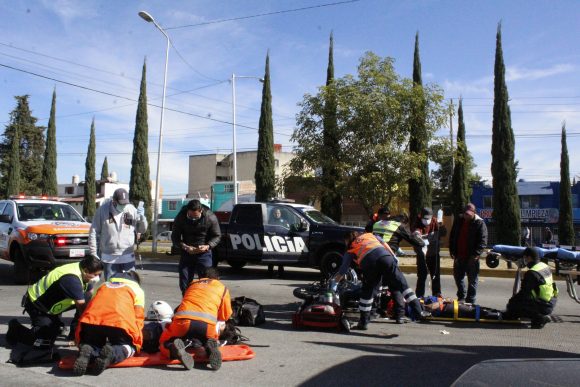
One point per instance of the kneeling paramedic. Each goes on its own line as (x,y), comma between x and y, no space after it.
(115,314)
(375,259)
(538,295)
(62,289)
(205,302)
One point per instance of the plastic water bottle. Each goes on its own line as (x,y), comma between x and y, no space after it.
(440,215)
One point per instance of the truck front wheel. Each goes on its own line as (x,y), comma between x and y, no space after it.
(330,263)
(21,269)
(237,265)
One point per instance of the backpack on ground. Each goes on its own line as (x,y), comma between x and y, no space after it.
(247,312)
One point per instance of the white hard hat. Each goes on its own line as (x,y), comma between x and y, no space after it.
(160,311)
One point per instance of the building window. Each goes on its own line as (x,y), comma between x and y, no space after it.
(229,188)
(69,190)
(172,205)
(530,201)
(487,202)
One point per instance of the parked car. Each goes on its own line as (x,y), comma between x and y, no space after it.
(39,234)
(164,236)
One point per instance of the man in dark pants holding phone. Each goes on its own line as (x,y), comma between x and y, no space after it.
(196,231)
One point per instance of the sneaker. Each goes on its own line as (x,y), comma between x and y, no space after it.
(104,360)
(540,322)
(12,333)
(213,353)
(83,360)
(402,320)
(178,352)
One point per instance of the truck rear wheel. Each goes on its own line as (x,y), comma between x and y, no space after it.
(21,269)
(238,265)
(330,263)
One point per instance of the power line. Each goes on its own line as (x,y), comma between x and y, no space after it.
(261,14)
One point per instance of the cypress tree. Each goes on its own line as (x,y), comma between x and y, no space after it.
(265,174)
(331,198)
(31,148)
(13,183)
(49,182)
(419,188)
(459,184)
(89,205)
(139,184)
(506,205)
(566,219)
(105,170)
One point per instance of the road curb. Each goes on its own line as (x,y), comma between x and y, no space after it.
(499,273)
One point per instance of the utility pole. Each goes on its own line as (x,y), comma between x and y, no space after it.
(451,114)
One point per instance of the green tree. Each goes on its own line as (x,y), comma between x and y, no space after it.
(460,184)
(31,148)
(506,205)
(331,196)
(265,174)
(373,124)
(419,186)
(139,184)
(89,203)
(49,184)
(13,183)
(566,220)
(105,170)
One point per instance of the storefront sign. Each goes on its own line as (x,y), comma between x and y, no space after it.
(528,215)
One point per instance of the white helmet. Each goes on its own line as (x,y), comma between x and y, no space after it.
(160,311)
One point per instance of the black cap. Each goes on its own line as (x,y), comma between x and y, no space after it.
(383,210)
(426,211)
(121,196)
(532,252)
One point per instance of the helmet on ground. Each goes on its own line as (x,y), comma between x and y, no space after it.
(160,311)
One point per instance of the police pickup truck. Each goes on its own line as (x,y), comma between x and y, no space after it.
(38,234)
(287,234)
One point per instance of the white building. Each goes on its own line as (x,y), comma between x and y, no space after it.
(204,170)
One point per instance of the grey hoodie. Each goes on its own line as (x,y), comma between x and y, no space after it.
(105,230)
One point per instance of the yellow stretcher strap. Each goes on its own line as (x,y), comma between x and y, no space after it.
(455,310)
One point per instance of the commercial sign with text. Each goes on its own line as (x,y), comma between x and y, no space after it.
(527,215)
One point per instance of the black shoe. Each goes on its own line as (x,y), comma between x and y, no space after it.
(361,327)
(83,360)
(12,333)
(540,322)
(104,360)
(178,352)
(213,353)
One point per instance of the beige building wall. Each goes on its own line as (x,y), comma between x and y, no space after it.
(207,169)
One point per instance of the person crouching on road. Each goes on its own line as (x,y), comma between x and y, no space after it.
(114,227)
(537,296)
(376,260)
(196,231)
(205,302)
(115,313)
(62,289)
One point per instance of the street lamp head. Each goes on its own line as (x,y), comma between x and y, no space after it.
(145,16)
(261,80)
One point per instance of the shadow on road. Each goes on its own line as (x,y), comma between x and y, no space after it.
(414,365)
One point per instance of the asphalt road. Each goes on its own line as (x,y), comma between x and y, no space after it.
(386,354)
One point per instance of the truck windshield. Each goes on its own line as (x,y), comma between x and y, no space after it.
(317,216)
(47,211)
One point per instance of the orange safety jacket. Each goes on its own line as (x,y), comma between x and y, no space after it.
(117,303)
(206,300)
(364,244)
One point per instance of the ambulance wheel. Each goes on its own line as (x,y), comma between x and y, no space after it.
(492,261)
(21,269)
(330,263)
(236,265)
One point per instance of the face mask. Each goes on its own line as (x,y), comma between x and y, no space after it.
(120,207)
(426,221)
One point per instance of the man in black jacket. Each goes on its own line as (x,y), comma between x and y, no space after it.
(196,231)
(466,243)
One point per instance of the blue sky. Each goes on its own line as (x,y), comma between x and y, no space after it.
(101,45)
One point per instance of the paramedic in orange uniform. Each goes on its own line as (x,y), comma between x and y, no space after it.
(116,312)
(375,259)
(205,302)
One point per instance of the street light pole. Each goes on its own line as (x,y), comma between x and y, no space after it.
(234,145)
(148,18)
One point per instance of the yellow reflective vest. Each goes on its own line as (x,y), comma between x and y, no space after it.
(546,291)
